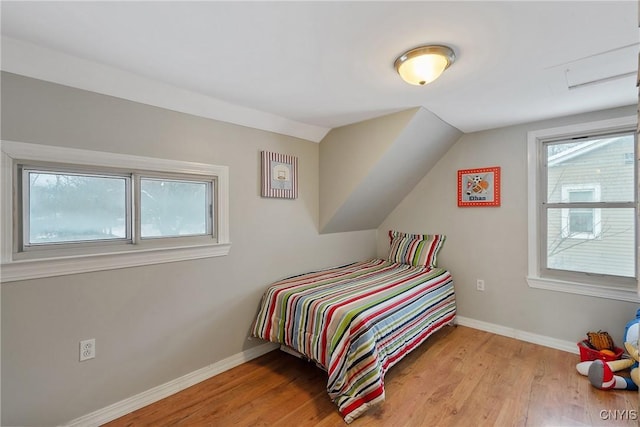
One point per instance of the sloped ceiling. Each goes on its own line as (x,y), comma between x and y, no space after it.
(367,168)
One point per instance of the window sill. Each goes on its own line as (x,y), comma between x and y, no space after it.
(629,295)
(61,266)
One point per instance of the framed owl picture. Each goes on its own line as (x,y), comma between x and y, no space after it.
(279,175)
(479,187)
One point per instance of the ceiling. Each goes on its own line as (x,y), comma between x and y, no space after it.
(328,64)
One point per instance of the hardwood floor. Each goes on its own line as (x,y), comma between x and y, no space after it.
(459,377)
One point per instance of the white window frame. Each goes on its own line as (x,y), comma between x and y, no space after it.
(594,286)
(16,265)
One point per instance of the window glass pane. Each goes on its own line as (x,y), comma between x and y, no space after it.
(581,196)
(71,208)
(170,208)
(602,163)
(602,241)
(581,221)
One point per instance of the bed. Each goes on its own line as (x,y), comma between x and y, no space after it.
(357,320)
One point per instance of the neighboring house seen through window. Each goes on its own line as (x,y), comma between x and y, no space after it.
(580,222)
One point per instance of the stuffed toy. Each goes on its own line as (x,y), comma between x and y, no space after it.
(601,374)
(635,372)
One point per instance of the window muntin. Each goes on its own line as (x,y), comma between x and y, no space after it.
(588,208)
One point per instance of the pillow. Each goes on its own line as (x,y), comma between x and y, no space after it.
(418,250)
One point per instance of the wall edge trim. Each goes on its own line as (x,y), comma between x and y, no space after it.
(542,340)
(155,394)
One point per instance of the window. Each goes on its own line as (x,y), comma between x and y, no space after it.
(579,222)
(582,209)
(64,208)
(172,208)
(61,207)
(67,211)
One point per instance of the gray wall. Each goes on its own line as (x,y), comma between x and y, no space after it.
(155,323)
(491,243)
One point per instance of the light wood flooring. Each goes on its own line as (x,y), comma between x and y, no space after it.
(458,377)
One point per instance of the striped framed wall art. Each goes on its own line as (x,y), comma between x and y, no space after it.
(279,175)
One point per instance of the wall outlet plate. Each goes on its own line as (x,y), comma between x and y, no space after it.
(87,349)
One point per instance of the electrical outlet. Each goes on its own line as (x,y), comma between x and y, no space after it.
(480,284)
(87,349)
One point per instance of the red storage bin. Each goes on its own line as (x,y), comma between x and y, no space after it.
(587,353)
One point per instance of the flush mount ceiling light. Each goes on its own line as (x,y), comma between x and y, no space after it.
(424,64)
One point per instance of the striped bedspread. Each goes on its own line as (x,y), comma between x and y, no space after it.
(356,321)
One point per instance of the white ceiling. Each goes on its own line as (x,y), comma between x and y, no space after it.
(327,64)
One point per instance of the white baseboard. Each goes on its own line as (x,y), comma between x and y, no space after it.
(567,346)
(155,394)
